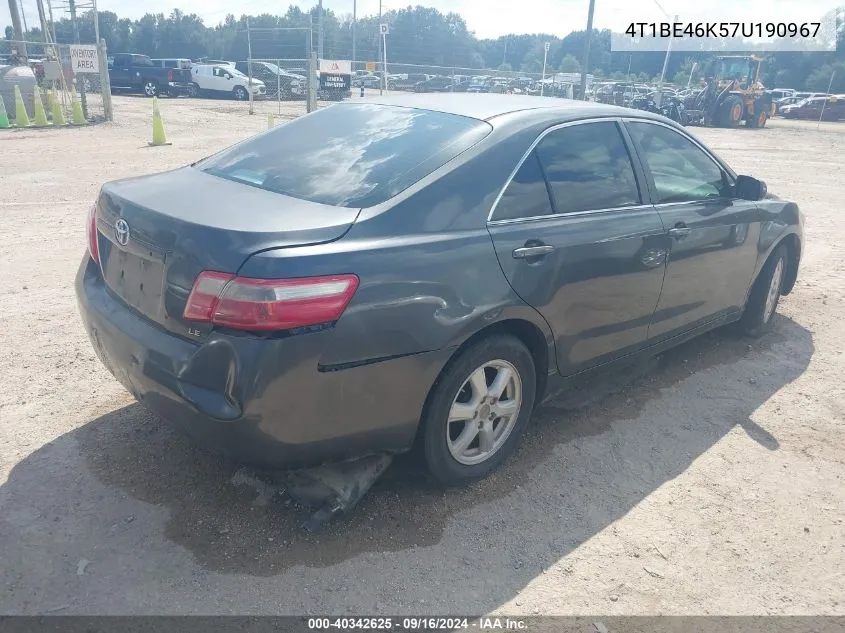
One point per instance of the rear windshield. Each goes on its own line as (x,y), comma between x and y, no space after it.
(348,155)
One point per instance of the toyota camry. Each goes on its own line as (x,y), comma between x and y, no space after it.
(421,272)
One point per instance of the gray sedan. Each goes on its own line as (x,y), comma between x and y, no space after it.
(421,271)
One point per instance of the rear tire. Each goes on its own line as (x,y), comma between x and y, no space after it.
(763,300)
(194,91)
(151,88)
(485,428)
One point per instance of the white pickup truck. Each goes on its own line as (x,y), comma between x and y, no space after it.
(217,80)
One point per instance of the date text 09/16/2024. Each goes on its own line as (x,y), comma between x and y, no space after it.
(421,623)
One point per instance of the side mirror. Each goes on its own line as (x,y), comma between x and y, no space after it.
(748,188)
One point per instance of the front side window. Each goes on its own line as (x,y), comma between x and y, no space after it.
(682,171)
(588,167)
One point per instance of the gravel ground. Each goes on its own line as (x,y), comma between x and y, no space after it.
(708,481)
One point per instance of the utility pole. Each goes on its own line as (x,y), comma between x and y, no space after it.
(249,66)
(320,29)
(23,17)
(16,27)
(505,53)
(80,84)
(96,21)
(42,17)
(52,23)
(381,86)
(354,20)
(545,56)
(586,61)
(663,72)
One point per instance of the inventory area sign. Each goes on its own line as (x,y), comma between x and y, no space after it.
(335,74)
(84,58)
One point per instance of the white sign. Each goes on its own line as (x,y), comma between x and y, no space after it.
(84,58)
(547,47)
(335,67)
(383,29)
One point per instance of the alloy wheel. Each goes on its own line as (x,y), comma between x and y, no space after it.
(774,291)
(484,412)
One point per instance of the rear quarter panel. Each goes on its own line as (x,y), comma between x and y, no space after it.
(429,275)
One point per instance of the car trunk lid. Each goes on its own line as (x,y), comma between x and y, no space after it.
(157,233)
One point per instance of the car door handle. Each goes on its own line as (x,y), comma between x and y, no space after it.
(532,251)
(679,232)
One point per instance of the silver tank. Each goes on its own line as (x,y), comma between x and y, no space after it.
(23,76)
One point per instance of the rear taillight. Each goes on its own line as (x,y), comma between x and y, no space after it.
(93,245)
(169,75)
(243,303)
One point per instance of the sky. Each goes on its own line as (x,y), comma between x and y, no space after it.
(492,18)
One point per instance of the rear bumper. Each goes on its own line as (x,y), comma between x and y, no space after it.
(178,87)
(266,402)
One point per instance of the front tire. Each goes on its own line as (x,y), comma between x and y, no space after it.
(763,299)
(240,93)
(731,111)
(758,121)
(478,409)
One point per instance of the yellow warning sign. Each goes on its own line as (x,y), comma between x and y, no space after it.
(371,67)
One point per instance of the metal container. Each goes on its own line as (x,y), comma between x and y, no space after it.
(24,77)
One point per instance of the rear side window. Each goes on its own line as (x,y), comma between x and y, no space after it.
(588,167)
(527,195)
(349,155)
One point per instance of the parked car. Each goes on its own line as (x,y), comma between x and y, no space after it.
(479,84)
(406,82)
(311,294)
(367,80)
(224,80)
(828,108)
(276,80)
(213,62)
(438,83)
(780,93)
(137,73)
(174,62)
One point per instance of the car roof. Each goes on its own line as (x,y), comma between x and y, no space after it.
(487,106)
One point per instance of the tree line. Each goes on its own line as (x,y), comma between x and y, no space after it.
(422,36)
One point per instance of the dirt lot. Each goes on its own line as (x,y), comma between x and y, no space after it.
(709,482)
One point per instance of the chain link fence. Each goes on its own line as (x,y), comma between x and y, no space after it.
(429,78)
(49,67)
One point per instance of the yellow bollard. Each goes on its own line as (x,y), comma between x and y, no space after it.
(159,137)
(76,118)
(21,117)
(270,121)
(40,114)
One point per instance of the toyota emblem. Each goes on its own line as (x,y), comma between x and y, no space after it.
(121,232)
